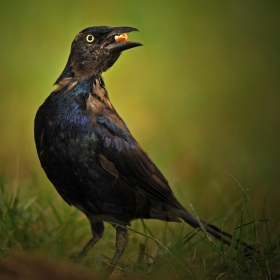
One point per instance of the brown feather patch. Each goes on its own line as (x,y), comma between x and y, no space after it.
(108,166)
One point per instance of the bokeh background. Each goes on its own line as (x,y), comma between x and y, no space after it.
(202,96)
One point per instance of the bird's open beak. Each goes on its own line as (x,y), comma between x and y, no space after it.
(118,39)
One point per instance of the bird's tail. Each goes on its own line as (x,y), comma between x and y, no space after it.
(225,237)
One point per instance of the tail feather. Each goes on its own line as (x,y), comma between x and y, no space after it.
(225,237)
(213,230)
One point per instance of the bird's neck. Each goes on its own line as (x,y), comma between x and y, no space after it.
(93,86)
(99,91)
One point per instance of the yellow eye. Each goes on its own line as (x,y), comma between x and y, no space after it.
(90,38)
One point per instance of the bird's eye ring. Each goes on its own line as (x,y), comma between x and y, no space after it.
(90,38)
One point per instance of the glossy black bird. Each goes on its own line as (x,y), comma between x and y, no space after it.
(89,154)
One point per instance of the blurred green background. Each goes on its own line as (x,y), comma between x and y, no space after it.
(202,96)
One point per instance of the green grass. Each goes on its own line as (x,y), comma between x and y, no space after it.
(34,219)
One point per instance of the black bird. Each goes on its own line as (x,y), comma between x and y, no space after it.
(89,154)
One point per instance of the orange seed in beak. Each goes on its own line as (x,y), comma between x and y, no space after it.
(121,38)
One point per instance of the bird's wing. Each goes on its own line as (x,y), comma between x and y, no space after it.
(123,152)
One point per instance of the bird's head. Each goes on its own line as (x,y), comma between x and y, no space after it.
(95,49)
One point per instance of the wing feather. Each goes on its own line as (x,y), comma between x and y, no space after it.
(131,161)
